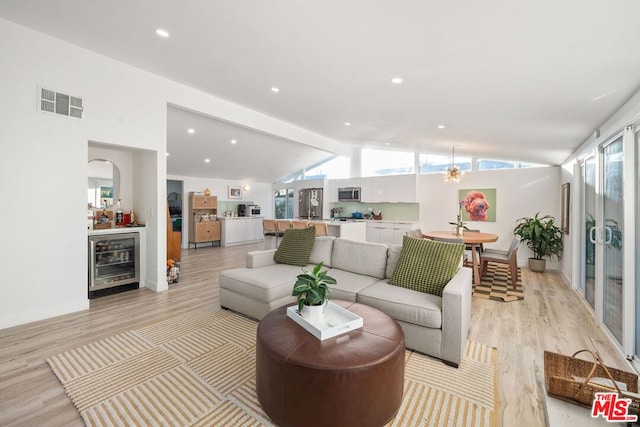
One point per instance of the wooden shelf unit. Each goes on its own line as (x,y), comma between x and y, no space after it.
(203,231)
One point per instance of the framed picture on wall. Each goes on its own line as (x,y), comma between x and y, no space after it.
(564,206)
(478,204)
(235,192)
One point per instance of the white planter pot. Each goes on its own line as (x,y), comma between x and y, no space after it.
(537,265)
(313,313)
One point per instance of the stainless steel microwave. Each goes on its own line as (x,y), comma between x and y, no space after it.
(349,194)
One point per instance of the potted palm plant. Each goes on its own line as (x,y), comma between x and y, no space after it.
(313,293)
(542,236)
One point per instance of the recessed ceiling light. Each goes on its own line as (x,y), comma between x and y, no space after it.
(396,80)
(441,126)
(207,160)
(387,143)
(275,89)
(191,130)
(162,33)
(233,141)
(347,123)
(167,154)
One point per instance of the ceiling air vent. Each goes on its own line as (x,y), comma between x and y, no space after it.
(60,103)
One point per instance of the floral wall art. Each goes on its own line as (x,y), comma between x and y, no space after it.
(478,204)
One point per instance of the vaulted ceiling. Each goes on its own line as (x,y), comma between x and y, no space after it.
(514,80)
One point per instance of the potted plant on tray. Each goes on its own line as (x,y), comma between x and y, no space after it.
(542,236)
(313,293)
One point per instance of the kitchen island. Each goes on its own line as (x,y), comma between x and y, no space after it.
(347,230)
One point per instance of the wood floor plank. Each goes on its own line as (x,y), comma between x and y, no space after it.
(551,317)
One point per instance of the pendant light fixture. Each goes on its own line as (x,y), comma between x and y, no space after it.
(453,173)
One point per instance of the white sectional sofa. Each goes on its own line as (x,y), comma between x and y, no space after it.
(433,325)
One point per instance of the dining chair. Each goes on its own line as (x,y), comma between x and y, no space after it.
(449,239)
(480,247)
(465,259)
(417,233)
(321,228)
(503,257)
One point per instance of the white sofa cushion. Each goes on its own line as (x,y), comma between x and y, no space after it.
(264,284)
(321,251)
(365,258)
(404,304)
(349,284)
(393,255)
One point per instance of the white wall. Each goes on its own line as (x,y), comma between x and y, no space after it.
(519,193)
(44,163)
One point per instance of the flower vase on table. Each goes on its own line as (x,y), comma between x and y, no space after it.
(458,225)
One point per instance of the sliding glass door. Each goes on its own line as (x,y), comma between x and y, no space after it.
(283,199)
(613,229)
(602,276)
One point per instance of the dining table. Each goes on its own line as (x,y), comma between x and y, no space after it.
(474,239)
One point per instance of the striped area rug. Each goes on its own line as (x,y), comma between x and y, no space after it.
(496,284)
(198,369)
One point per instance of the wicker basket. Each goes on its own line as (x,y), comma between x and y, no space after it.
(563,374)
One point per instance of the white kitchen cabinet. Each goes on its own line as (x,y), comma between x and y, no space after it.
(399,230)
(380,232)
(390,233)
(348,230)
(237,231)
(366,190)
(389,189)
(254,229)
(331,194)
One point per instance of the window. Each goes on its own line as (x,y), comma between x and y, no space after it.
(488,164)
(382,162)
(436,164)
(284,203)
(334,168)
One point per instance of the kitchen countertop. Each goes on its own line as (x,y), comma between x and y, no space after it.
(116,230)
(239,217)
(332,221)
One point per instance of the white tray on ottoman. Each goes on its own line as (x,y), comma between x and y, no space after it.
(337,320)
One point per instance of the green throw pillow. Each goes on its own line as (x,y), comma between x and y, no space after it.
(426,265)
(295,247)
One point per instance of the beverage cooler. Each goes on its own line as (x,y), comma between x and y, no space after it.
(114,261)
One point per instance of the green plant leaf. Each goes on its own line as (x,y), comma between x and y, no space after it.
(311,287)
(541,235)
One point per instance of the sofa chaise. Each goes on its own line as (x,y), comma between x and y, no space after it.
(434,325)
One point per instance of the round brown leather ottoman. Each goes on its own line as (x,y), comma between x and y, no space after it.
(354,379)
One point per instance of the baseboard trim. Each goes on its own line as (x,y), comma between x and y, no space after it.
(17,319)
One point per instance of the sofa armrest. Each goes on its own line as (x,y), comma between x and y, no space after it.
(456,315)
(257,259)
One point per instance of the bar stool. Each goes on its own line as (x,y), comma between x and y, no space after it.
(299,224)
(321,229)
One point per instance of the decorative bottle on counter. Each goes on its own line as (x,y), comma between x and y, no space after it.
(133,217)
(119,214)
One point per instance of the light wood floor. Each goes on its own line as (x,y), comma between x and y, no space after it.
(550,317)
